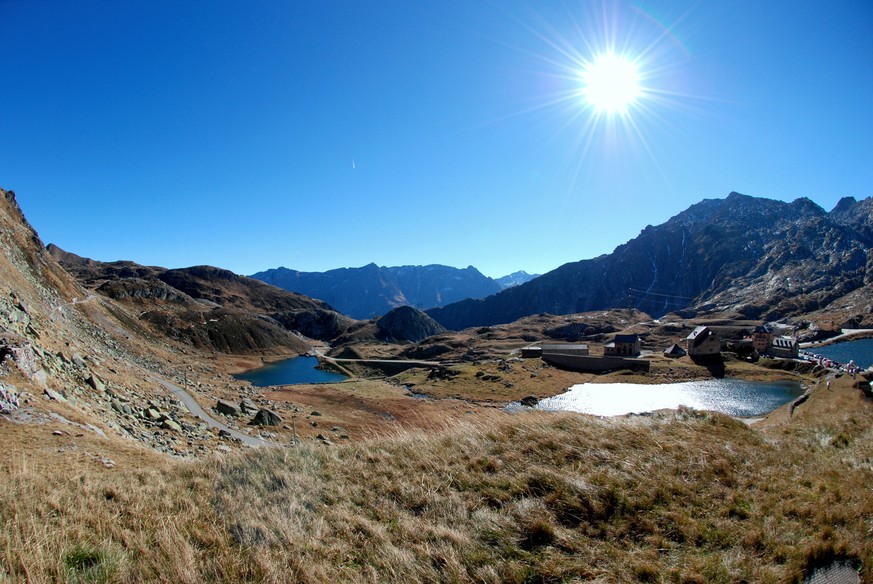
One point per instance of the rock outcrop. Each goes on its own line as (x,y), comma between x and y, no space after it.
(405,323)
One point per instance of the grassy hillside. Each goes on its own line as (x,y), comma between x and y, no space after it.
(678,497)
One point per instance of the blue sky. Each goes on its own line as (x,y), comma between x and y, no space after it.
(317,135)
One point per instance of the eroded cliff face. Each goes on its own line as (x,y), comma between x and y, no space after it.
(740,255)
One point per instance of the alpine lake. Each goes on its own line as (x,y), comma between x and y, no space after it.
(735,397)
(294,371)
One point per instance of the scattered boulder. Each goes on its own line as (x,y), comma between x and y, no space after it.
(247,406)
(529,401)
(54,395)
(266,417)
(96,383)
(443,372)
(227,408)
(9,401)
(169,424)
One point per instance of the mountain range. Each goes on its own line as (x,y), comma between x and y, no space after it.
(740,256)
(372,290)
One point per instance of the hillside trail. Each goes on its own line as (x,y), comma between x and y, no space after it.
(183,395)
(195,409)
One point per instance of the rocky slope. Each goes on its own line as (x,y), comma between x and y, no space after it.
(208,307)
(121,358)
(742,256)
(371,290)
(71,359)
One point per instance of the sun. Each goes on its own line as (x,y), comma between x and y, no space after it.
(611,84)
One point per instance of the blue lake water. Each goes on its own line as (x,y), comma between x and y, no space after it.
(860,351)
(734,397)
(290,372)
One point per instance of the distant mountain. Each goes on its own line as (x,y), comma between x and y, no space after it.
(741,256)
(371,290)
(514,279)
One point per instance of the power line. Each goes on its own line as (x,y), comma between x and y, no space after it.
(647,293)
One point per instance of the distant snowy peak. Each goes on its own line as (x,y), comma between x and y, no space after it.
(514,279)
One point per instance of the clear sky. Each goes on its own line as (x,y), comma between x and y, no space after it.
(325,134)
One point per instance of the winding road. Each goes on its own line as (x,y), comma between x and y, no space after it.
(193,407)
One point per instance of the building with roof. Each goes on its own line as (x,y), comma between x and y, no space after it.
(702,341)
(762,337)
(675,352)
(623,346)
(784,347)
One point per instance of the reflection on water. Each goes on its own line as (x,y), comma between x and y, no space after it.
(290,372)
(734,397)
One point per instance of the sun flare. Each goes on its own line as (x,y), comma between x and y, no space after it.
(611,84)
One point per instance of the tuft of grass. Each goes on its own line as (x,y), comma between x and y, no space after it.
(89,563)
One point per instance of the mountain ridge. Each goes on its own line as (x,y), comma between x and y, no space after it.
(734,255)
(371,290)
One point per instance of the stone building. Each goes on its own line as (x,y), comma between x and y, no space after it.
(623,346)
(702,341)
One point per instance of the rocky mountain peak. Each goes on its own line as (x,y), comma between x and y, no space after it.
(742,255)
(843,206)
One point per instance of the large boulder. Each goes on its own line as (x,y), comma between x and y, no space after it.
(227,408)
(266,417)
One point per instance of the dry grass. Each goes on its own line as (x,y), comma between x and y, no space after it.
(539,497)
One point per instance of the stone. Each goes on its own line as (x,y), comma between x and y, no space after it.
(226,408)
(96,383)
(247,406)
(529,401)
(266,417)
(54,395)
(171,425)
(153,414)
(315,413)
(324,439)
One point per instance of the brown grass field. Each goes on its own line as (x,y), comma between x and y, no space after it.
(676,497)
